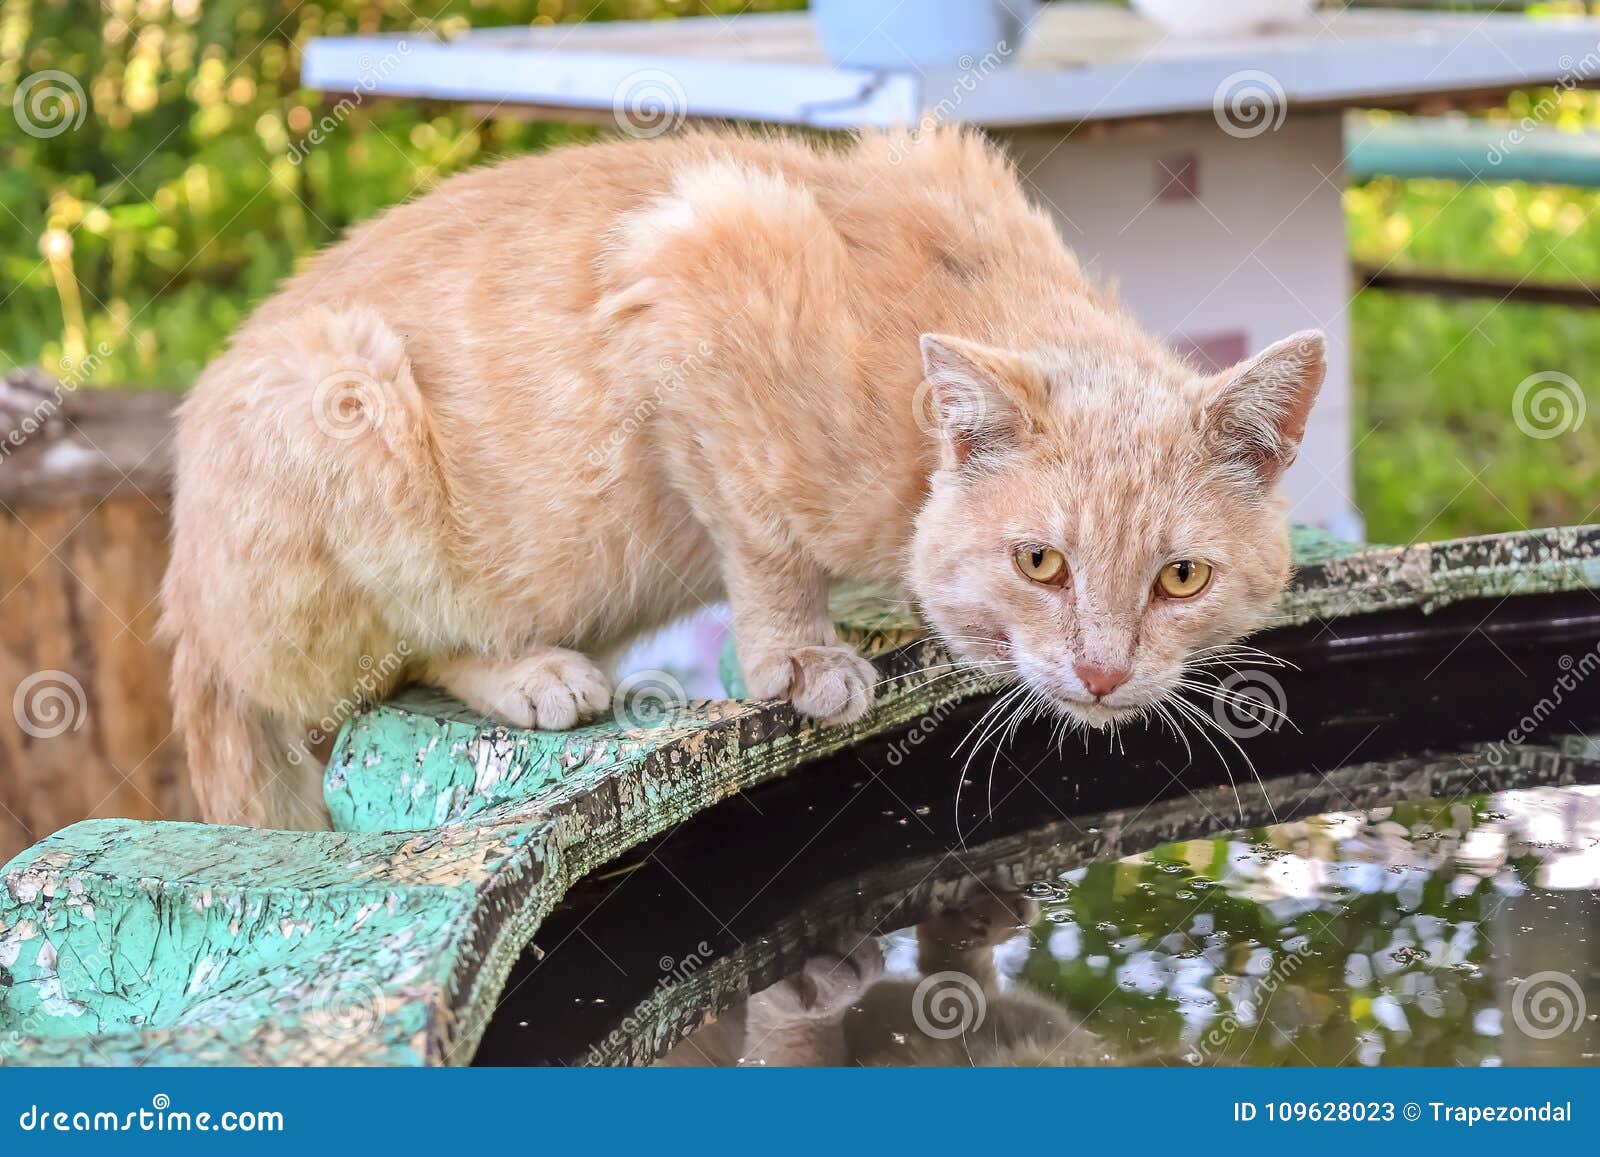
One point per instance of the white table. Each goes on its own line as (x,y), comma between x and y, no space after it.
(1224,229)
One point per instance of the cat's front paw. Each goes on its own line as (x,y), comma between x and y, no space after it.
(832,682)
(978,914)
(829,982)
(550,689)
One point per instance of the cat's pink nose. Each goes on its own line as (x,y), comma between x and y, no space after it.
(1099,680)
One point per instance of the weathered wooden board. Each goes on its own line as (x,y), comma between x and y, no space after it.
(87,725)
(84,501)
(62,442)
(125,942)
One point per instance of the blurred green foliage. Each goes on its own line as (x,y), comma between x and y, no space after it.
(133,243)
(1343,939)
(1439,454)
(155,223)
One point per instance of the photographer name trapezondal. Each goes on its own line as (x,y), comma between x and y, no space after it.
(1482,1114)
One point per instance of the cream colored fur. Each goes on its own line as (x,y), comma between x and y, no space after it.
(556,401)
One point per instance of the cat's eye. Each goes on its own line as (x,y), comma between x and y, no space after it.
(1183,579)
(1041,564)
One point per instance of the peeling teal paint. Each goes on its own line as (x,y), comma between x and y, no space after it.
(313,938)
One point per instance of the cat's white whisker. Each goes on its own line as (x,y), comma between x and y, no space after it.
(1030,705)
(1240,652)
(997,706)
(972,665)
(987,668)
(1161,712)
(1247,704)
(1005,698)
(1205,720)
(1190,711)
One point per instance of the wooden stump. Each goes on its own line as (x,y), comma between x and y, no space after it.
(85,723)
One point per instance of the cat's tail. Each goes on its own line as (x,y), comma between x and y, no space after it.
(245,765)
(309,514)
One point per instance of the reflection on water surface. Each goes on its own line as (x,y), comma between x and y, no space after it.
(1419,934)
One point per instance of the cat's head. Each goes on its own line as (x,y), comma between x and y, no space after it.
(1100,517)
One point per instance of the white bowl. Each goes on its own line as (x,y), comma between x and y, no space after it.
(1219,17)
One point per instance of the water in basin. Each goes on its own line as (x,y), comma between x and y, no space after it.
(1415,882)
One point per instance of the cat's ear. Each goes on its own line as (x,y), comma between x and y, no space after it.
(977,396)
(1255,414)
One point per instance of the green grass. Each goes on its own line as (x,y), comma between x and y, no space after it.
(1440,451)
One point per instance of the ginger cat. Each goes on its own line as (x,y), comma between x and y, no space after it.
(563,399)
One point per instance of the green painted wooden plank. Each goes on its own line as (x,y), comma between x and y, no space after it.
(1455,151)
(388,942)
